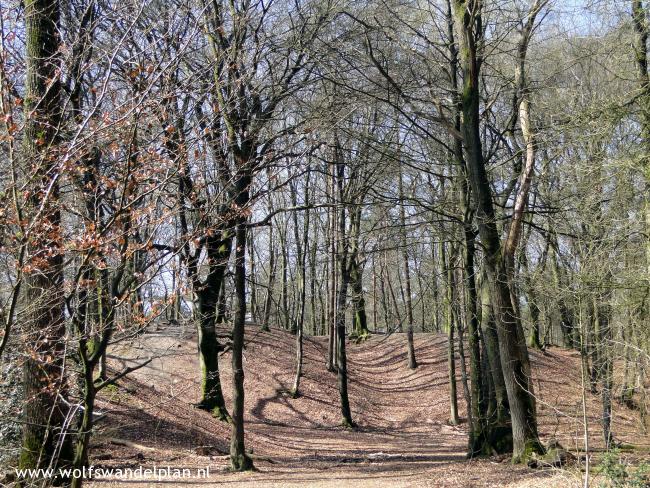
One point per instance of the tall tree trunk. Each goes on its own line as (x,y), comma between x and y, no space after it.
(268,302)
(85,426)
(489,428)
(567,326)
(284,297)
(534,339)
(209,309)
(344,267)
(332,216)
(501,415)
(592,346)
(514,358)
(640,20)
(252,277)
(391,291)
(239,459)
(341,358)
(606,372)
(447,263)
(208,305)
(478,437)
(312,282)
(384,297)
(205,305)
(302,245)
(412,363)
(44,442)
(423,309)
(359,316)
(375,316)
(642,30)
(435,320)
(471,420)
(627,389)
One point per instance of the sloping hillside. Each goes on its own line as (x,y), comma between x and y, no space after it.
(403,437)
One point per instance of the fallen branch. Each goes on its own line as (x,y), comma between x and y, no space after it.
(124,442)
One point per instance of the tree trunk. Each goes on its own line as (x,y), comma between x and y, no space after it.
(412,363)
(341,358)
(85,426)
(268,302)
(331,343)
(252,277)
(312,283)
(44,444)
(534,340)
(209,310)
(239,459)
(302,245)
(606,370)
(359,319)
(640,20)
(501,415)
(375,316)
(514,359)
(207,297)
(359,316)
(344,267)
(567,326)
(384,297)
(478,437)
(284,297)
(451,325)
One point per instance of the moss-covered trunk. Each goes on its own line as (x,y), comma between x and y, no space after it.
(207,314)
(211,393)
(513,354)
(44,444)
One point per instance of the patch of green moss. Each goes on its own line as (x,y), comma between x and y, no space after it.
(222,414)
(531,448)
(30,452)
(112,388)
(241,463)
(359,336)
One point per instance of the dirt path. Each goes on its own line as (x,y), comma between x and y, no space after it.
(403,437)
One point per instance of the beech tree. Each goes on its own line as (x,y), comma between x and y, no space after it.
(45,382)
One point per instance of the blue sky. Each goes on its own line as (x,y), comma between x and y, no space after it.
(589,17)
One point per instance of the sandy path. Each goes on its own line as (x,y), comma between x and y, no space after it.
(403,437)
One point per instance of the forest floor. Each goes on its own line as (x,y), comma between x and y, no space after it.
(403,437)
